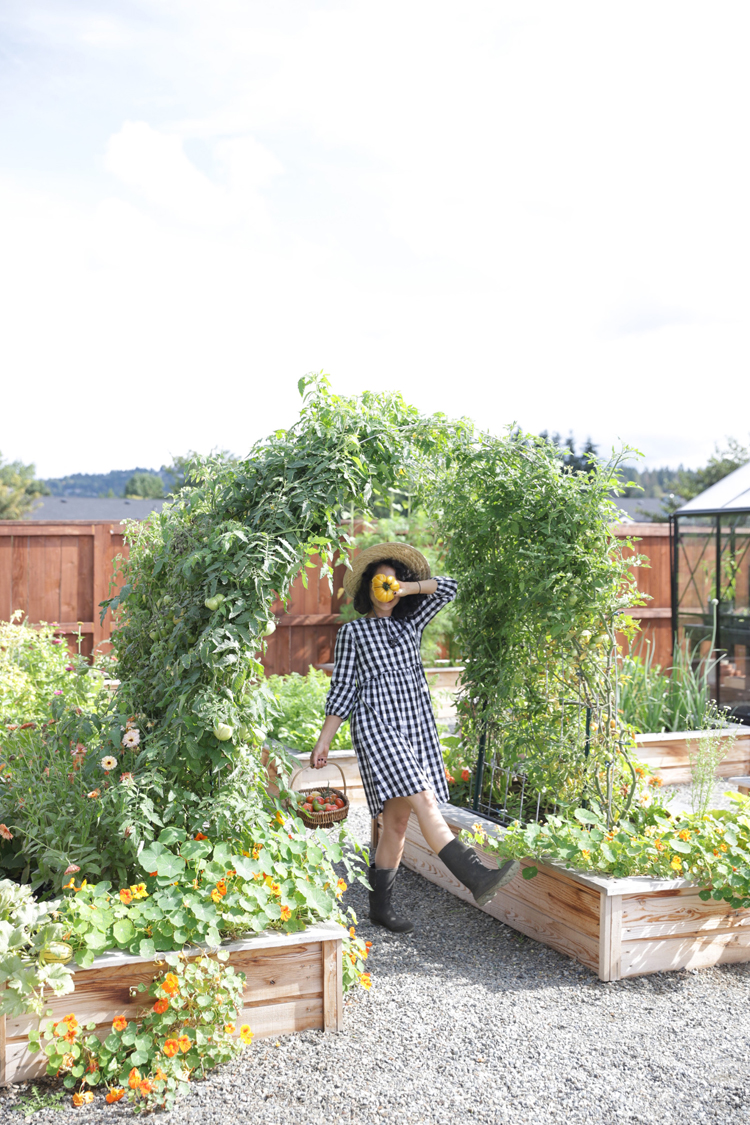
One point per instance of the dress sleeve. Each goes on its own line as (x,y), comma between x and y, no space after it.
(343,690)
(447,588)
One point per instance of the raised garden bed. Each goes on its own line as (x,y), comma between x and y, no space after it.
(616,927)
(669,754)
(293,983)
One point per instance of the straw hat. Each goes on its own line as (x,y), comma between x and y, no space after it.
(399,552)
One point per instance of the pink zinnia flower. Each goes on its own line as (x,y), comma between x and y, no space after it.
(58,691)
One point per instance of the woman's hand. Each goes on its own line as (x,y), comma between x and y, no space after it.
(319,757)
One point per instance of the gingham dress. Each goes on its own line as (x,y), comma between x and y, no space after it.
(379,683)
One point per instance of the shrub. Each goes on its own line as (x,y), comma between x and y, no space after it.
(301,711)
(37,673)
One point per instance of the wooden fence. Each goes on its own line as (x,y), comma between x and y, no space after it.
(656,616)
(61,571)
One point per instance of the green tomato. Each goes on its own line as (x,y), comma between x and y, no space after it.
(243,731)
(269,629)
(214,602)
(223,731)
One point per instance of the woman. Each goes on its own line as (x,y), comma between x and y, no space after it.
(379,682)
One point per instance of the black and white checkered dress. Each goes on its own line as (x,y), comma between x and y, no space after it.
(379,683)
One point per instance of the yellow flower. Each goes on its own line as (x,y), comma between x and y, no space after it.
(246,1034)
(684,835)
(340,888)
(285,914)
(279,818)
(585,854)
(139,891)
(352,932)
(364,980)
(723,847)
(676,863)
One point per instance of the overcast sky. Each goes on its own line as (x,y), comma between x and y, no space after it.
(522,212)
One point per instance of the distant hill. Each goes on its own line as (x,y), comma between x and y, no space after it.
(101,484)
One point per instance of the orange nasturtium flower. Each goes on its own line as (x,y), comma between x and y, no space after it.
(145,1087)
(215,896)
(170,984)
(364,980)
(340,888)
(684,835)
(83,1099)
(200,836)
(115,1094)
(119,1023)
(352,932)
(134,1079)
(465,774)
(368,946)
(285,914)
(160,1076)
(279,818)
(161,1006)
(184,1044)
(126,896)
(246,1034)
(221,887)
(171,1047)
(229,1029)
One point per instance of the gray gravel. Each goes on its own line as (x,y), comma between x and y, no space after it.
(467,1020)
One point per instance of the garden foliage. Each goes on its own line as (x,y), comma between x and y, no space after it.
(542,589)
(37,671)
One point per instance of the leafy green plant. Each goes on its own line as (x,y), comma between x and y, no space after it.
(711,849)
(680,699)
(29,936)
(37,1099)
(70,799)
(272,876)
(542,589)
(301,711)
(713,745)
(37,673)
(187,1029)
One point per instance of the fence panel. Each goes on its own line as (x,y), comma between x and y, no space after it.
(656,616)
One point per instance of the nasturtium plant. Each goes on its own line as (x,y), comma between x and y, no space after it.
(186,1027)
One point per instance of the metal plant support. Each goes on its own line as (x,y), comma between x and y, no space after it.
(588,733)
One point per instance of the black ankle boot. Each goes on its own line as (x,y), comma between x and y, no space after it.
(483,882)
(381,910)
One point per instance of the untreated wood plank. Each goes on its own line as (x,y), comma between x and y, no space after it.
(676,913)
(68,601)
(666,954)
(20,575)
(6,578)
(333,996)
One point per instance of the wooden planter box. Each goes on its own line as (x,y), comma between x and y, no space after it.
(616,927)
(293,983)
(669,754)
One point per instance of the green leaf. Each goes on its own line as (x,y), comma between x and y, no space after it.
(169,866)
(123,930)
(147,948)
(172,835)
(681,846)
(587,817)
(530,872)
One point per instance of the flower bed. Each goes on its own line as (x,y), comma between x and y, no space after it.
(668,754)
(616,927)
(293,982)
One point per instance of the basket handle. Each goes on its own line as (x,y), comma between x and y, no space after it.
(303,768)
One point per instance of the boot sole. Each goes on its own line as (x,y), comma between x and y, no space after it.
(507,876)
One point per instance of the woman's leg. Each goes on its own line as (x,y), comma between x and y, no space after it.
(396,812)
(434,829)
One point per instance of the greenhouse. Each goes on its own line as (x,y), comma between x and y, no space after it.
(711,586)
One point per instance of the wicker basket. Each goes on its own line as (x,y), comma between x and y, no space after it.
(322,819)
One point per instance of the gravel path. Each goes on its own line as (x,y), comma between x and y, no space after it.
(469,1021)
